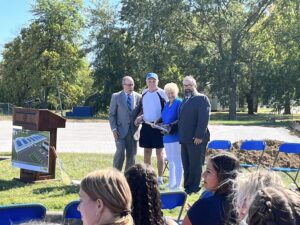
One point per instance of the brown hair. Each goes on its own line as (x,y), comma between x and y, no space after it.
(272,206)
(146,197)
(112,188)
(226,166)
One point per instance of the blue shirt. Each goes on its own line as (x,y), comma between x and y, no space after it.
(169,115)
(208,211)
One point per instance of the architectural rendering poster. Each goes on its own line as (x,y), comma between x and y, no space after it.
(30,149)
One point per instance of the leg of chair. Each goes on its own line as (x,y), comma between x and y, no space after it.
(166,166)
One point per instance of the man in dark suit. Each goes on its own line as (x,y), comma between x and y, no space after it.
(193,133)
(122,112)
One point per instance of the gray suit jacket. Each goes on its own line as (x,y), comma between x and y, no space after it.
(193,118)
(120,117)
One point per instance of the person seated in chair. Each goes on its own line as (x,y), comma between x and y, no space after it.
(276,206)
(146,204)
(247,184)
(217,209)
(105,198)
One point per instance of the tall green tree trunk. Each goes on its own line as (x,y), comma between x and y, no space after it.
(232,103)
(250,103)
(233,78)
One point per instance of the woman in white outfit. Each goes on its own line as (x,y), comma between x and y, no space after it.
(171,140)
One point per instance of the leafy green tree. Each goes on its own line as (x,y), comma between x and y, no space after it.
(227,25)
(282,31)
(157,30)
(113,57)
(46,56)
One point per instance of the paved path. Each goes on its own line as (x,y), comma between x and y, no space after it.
(97,137)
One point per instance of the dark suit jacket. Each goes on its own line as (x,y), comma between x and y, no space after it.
(120,117)
(193,118)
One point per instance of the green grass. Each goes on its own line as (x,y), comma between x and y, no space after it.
(259,119)
(55,194)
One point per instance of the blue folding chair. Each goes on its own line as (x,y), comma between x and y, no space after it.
(219,145)
(253,145)
(71,212)
(171,200)
(21,213)
(288,148)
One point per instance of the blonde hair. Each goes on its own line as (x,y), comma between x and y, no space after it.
(247,184)
(112,188)
(275,205)
(171,87)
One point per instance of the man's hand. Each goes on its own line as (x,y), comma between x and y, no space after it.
(138,120)
(197,141)
(116,135)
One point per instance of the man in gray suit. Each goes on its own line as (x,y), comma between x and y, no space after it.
(122,112)
(193,133)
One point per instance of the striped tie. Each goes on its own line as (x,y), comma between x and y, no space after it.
(129,102)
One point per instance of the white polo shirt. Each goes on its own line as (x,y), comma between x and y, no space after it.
(152,104)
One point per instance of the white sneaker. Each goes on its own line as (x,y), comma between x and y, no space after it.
(177,188)
(169,186)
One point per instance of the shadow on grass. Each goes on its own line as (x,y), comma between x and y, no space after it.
(57,191)
(10,184)
(4,158)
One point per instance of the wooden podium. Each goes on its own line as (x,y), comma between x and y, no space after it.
(39,120)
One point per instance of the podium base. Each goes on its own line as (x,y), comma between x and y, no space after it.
(28,176)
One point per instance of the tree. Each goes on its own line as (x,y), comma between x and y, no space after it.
(282,56)
(227,24)
(46,56)
(157,31)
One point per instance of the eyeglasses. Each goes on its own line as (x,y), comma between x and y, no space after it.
(128,85)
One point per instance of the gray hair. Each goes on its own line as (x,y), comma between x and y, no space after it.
(247,184)
(191,79)
(127,78)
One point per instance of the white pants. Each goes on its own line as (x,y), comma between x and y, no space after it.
(173,151)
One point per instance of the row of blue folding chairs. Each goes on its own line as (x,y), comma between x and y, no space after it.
(257,145)
(20,213)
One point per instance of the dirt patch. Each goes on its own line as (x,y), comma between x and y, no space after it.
(252,157)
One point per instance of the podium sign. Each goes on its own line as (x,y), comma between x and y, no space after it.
(39,120)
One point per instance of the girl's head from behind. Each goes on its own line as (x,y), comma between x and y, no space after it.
(105,198)
(247,184)
(221,169)
(272,206)
(146,197)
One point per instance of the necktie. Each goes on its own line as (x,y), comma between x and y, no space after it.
(129,102)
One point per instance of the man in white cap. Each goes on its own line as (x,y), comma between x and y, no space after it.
(153,101)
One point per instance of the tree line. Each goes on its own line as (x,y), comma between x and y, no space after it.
(245,52)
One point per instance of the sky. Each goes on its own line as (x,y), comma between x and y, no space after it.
(15,14)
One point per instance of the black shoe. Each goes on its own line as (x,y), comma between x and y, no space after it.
(197,190)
